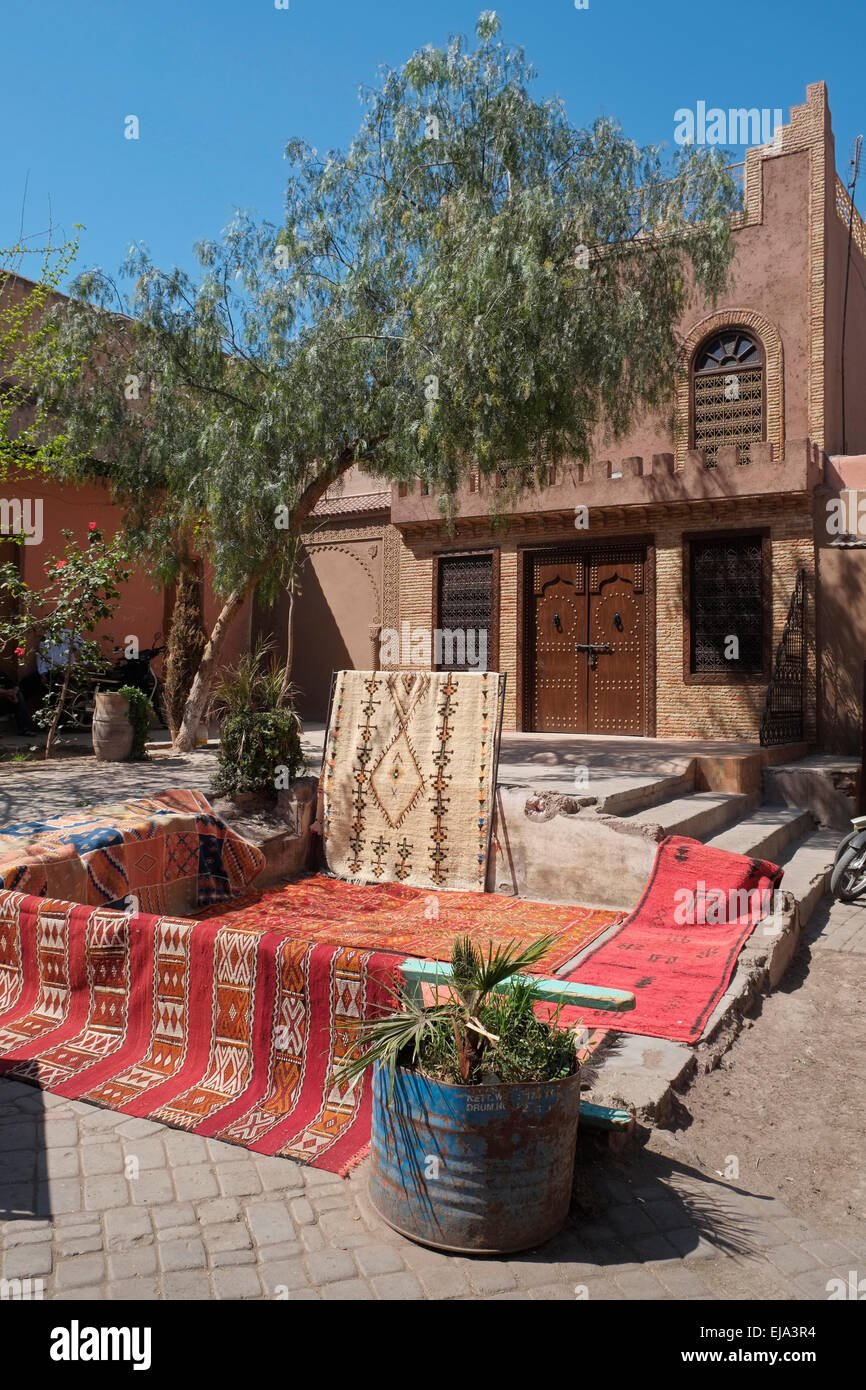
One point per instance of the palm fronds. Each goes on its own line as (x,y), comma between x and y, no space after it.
(486,1023)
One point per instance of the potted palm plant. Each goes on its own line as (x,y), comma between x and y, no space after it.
(475,1107)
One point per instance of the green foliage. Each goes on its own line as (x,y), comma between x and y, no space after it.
(25,329)
(486,1029)
(80,593)
(255,683)
(138,715)
(259,752)
(473,283)
(422,310)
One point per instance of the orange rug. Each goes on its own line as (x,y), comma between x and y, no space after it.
(411,921)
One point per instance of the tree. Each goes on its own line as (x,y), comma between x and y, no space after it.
(81,592)
(187,640)
(474,283)
(24,327)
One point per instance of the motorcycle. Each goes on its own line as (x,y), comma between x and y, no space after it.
(848,879)
(137,671)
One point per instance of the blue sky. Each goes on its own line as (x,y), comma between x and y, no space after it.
(220,85)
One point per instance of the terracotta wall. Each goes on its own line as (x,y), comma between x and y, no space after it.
(855,338)
(337,614)
(141,610)
(841,565)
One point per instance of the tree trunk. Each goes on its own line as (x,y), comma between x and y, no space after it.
(64,691)
(187,639)
(290,643)
(201,686)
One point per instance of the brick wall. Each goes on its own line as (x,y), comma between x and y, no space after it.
(682,711)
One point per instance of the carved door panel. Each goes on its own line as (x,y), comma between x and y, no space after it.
(587,642)
(617,622)
(558,622)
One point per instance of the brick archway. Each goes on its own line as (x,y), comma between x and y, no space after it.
(771,342)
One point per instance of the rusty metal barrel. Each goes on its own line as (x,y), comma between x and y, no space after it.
(485,1170)
(111,731)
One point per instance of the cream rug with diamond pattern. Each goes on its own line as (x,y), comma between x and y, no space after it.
(409,777)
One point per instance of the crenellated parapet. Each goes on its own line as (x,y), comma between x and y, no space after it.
(638,480)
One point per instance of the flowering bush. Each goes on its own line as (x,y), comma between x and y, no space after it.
(80,593)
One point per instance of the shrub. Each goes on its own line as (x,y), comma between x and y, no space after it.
(138,715)
(484,1030)
(260,752)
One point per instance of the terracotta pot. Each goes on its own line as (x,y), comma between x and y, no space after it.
(112,731)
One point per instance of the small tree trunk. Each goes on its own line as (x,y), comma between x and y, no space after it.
(201,686)
(64,691)
(290,643)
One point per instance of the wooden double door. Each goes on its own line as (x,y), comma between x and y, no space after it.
(586,642)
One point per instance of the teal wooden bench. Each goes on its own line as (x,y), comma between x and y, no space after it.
(615,1001)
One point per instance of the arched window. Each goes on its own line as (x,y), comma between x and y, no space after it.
(728,393)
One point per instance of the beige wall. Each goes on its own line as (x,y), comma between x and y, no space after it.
(337,613)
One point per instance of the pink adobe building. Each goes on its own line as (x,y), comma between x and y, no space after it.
(693,580)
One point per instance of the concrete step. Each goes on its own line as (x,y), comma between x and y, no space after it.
(700,815)
(825,784)
(621,793)
(765,833)
(807,864)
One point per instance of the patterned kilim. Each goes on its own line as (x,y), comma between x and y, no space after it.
(228,1030)
(394,917)
(167,853)
(409,776)
(678,959)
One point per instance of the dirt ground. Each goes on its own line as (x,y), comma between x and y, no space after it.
(789,1098)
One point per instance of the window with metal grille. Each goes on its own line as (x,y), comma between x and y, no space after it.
(728,394)
(726,601)
(463,639)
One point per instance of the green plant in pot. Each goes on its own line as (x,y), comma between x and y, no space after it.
(475,1107)
(260,748)
(138,714)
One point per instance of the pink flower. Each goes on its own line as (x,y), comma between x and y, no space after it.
(61,565)
(92,526)
(20,651)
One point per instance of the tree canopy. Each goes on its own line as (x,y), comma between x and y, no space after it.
(473,283)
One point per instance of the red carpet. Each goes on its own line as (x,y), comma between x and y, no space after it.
(229,1031)
(679,969)
(411,921)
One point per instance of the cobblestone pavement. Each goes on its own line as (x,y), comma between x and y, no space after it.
(100,1206)
(96,1205)
(839,927)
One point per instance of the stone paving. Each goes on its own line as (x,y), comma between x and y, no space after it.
(99,1206)
(47,789)
(840,927)
(96,1205)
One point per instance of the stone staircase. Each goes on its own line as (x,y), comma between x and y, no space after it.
(644,1074)
(756,823)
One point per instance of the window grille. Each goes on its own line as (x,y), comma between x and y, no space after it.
(465,609)
(728,394)
(726,600)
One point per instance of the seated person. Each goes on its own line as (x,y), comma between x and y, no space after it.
(12,702)
(51,658)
